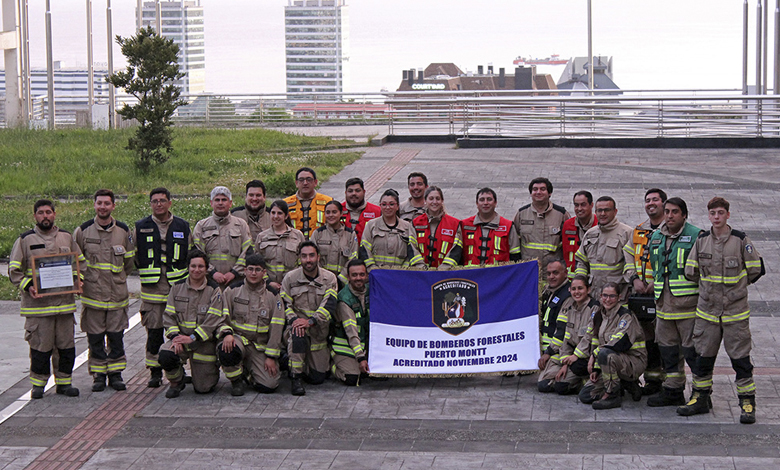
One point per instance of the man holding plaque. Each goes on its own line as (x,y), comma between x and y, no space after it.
(47,306)
(108,247)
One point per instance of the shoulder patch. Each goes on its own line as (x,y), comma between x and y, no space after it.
(27,233)
(704,234)
(560,209)
(123,226)
(320,229)
(524,208)
(87,224)
(212,283)
(347,229)
(738,233)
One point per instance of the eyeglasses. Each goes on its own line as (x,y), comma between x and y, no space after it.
(158,202)
(609,296)
(252,269)
(305,180)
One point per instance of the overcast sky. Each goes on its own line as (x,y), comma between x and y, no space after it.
(659,44)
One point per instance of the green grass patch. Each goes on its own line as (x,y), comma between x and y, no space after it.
(68,165)
(8,291)
(77,162)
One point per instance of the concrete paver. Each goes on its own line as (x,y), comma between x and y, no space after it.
(471,422)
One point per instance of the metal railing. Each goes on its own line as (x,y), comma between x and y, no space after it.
(560,117)
(513,114)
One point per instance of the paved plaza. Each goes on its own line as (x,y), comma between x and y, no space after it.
(460,423)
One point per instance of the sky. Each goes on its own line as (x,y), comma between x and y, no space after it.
(663,44)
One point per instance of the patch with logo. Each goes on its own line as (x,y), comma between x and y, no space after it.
(369,215)
(749,248)
(555,300)
(622,324)
(450,232)
(501,228)
(526,222)
(685,239)
(264,313)
(732,263)
(555,230)
(147,230)
(178,234)
(455,305)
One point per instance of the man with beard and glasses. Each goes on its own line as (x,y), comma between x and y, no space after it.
(357,211)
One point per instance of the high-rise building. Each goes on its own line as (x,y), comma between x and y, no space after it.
(316,46)
(182,21)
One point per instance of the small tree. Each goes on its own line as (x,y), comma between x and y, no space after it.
(152,67)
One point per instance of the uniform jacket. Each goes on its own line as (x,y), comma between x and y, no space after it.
(540,232)
(571,328)
(192,310)
(601,257)
(280,251)
(550,305)
(256,225)
(36,243)
(434,247)
(367,212)
(408,212)
(312,299)
(155,239)
(385,246)
(634,251)
(675,296)
(109,253)
(226,240)
(254,315)
(723,267)
(309,218)
(619,330)
(351,324)
(336,249)
(500,244)
(572,237)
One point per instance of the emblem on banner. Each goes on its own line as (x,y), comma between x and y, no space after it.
(455,305)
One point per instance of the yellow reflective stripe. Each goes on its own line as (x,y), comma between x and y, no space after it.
(106,267)
(63,380)
(318,346)
(204,357)
(15,265)
(638,345)
(753,264)
(104,305)
(540,246)
(246,244)
(416,259)
(746,388)
(724,279)
(350,322)
(343,350)
(514,250)
(201,333)
(25,282)
(130,254)
(270,352)
(116,366)
(38,382)
(154,298)
(172,330)
(725,318)
(277,321)
(221,257)
(54,309)
(675,316)
(233,374)
(702,384)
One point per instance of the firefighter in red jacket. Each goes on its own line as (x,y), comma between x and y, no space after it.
(487,238)
(356,210)
(574,228)
(437,231)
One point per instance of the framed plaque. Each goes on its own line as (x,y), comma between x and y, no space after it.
(56,274)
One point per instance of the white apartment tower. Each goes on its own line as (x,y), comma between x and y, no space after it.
(316,46)
(182,21)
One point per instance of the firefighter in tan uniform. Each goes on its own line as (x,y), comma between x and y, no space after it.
(639,273)
(338,244)
(349,342)
(279,245)
(414,206)
(108,248)
(309,294)
(162,241)
(224,238)
(192,316)
(389,240)
(540,224)
(675,300)
(619,356)
(254,212)
(48,321)
(307,206)
(601,254)
(723,261)
(564,363)
(251,337)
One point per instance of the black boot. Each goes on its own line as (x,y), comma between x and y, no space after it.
(237,389)
(747,407)
(652,387)
(669,397)
(296,386)
(68,390)
(99,382)
(115,381)
(37,392)
(633,389)
(612,400)
(155,380)
(698,404)
(174,389)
